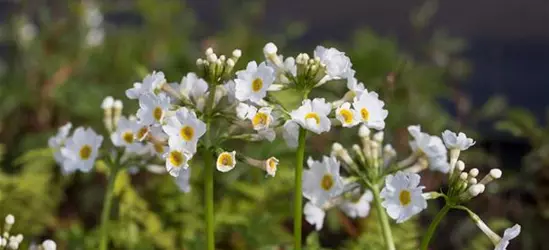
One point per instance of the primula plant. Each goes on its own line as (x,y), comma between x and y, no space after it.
(181,124)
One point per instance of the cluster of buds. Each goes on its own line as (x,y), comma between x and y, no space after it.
(12,242)
(215,68)
(112,111)
(465,185)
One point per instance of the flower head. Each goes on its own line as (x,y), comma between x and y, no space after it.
(49,245)
(193,87)
(57,141)
(322,181)
(271,166)
(226,161)
(402,196)
(152,83)
(457,141)
(359,207)
(370,110)
(252,83)
(431,147)
(261,119)
(177,159)
(152,108)
(80,150)
(184,129)
(346,115)
(508,235)
(336,62)
(314,215)
(313,115)
(125,135)
(353,85)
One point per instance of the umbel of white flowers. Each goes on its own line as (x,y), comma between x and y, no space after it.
(9,241)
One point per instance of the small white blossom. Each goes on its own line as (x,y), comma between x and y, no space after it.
(271,166)
(353,85)
(230,88)
(152,109)
(49,245)
(10,219)
(291,133)
(226,161)
(252,83)
(322,181)
(346,115)
(193,87)
(358,208)
(184,129)
(261,119)
(183,180)
(370,110)
(402,196)
(152,84)
(313,115)
(124,136)
(177,159)
(80,150)
(58,141)
(508,235)
(158,146)
(336,62)
(432,147)
(242,110)
(314,215)
(457,141)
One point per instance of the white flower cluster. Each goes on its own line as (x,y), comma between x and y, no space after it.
(12,242)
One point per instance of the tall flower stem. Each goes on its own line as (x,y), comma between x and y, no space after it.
(209,174)
(432,228)
(383,220)
(106,211)
(298,200)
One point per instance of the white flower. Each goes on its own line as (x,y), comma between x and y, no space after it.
(184,129)
(261,119)
(314,215)
(353,85)
(177,159)
(10,219)
(152,84)
(358,208)
(49,245)
(230,88)
(242,110)
(226,161)
(152,109)
(432,147)
(402,196)
(265,134)
(322,181)
(370,110)
(313,115)
(80,150)
(346,115)
(508,235)
(158,146)
(252,83)
(57,141)
(183,179)
(125,135)
(193,87)
(291,133)
(271,165)
(336,62)
(457,141)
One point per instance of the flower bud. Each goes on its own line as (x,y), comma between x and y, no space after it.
(493,175)
(222,58)
(463,176)
(473,172)
(10,219)
(237,53)
(460,166)
(209,51)
(107,103)
(476,189)
(270,49)
(378,137)
(363,131)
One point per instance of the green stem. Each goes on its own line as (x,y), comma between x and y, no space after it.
(432,228)
(383,219)
(209,174)
(106,211)
(209,198)
(298,201)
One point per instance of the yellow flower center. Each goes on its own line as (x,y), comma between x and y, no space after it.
(271,164)
(365,114)
(257,85)
(158,113)
(85,152)
(142,132)
(187,133)
(127,137)
(327,182)
(225,159)
(159,148)
(347,115)
(260,118)
(176,158)
(405,197)
(313,115)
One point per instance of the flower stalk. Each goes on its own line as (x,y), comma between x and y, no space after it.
(383,220)
(433,226)
(298,201)
(107,205)
(209,175)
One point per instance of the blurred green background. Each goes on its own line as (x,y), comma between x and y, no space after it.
(59,59)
